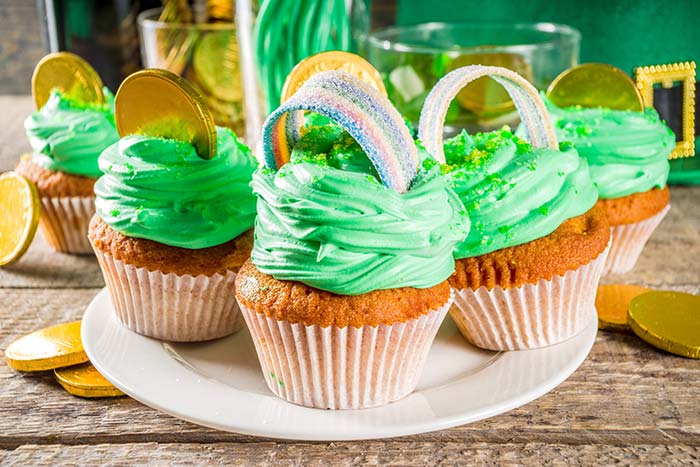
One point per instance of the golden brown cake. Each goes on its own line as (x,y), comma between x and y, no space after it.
(298,303)
(635,207)
(576,242)
(55,183)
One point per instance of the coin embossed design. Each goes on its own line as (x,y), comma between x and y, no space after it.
(47,349)
(19,205)
(595,85)
(159,103)
(68,73)
(85,381)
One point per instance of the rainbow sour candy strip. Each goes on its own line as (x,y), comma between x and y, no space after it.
(531,108)
(361,110)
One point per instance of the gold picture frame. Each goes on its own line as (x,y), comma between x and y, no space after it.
(666,75)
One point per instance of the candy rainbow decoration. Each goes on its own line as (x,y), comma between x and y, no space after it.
(531,108)
(361,110)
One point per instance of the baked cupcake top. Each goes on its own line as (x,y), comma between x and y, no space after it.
(68,136)
(328,217)
(161,190)
(627,151)
(514,193)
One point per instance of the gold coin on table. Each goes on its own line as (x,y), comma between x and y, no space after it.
(159,103)
(332,60)
(69,74)
(47,349)
(595,85)
(85,381)
(215,62)
(19,205)
(484,96)
(612,302)
(668,320)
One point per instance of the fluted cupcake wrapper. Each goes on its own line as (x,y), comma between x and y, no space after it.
(628,241)
(342,368)
(64,222)
(171,307)
(532,315)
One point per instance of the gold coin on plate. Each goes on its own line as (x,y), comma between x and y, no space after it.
(215,62)
(668,320)
(159,103)
(19,205)
(332,60)
(69,74)
(595,85)
(612,302)
(47,349)
(85,381)
(484,96)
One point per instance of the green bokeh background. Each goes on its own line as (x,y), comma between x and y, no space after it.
(624,33)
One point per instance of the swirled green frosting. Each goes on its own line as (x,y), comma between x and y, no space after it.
(514,193)
(159,189)
(68,136)
(627,151)
(325,220)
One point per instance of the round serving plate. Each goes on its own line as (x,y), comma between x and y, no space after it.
(219,383)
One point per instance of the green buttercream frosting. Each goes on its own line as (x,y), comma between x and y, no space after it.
(159,189)
(68,136)
(627,151)
(514,193)
(324,219)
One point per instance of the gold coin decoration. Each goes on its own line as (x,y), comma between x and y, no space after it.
(595,85)
(215,62)
(668,320)
(612,302)
(19,205)
(332,60)
(159,103)
(484,96)
(85,381)
(69,74)
(47,349)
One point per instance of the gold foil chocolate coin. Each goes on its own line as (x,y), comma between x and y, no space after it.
(19,205)
(47,349)
(668,320)
(68,73)
(215,62)
(484,96)
(332,60)
(85,381)
(159,103)
(612,302)
(595,85)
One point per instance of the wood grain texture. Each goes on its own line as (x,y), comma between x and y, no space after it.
(628,404)
(392,453)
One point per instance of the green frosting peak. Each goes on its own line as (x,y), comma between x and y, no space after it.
(514,193)
(627,150)
(159,189)
(68,136)
(324,219)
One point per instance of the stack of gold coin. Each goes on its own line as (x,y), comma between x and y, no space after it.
(59,348)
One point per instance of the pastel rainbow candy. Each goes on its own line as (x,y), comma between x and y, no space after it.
(531,108)
(361,110)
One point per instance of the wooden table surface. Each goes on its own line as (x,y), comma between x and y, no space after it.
(628,404)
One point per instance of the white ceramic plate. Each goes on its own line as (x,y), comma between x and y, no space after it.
(219,383)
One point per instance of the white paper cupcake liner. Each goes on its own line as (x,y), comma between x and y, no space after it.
(532,315)
(171,307)
(64,223)
(628,241)
(342,368)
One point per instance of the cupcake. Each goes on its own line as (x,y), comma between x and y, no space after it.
(627,152)
(67,136)
(170,233)
(346,286)
(527,273)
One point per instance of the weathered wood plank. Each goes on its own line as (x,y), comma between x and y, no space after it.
(625,393)
(12,140)
(394,453)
